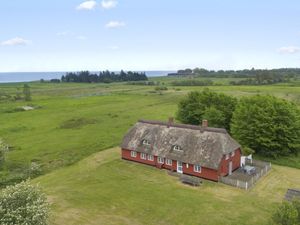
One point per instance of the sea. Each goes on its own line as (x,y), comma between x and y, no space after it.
(13,77)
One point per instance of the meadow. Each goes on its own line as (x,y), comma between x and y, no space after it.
(71,126)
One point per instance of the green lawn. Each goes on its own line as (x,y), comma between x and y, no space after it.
(103,189)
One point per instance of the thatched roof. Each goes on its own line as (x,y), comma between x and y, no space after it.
(200,145)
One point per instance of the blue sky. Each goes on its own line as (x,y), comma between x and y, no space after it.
(56,35)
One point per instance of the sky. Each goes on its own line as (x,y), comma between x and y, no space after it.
(72,35)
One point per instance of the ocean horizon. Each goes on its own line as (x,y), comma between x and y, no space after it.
(14,77)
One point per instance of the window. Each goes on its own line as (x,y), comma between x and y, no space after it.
(232,154)
(146,142)
(187,165)
(197,168)
(143,156)
(169,162)
(150,157)
(133,154)
(227,156)
(160,160)
(177,148)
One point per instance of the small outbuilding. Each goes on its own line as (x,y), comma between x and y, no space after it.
(201,151)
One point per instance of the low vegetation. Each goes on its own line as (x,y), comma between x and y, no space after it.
(192,82)
(288,213)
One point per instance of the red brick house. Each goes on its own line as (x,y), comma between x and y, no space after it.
(200,151)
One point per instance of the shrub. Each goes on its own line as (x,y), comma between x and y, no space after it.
(161,88)
(23,203)
(3,149)
(286,214)
(35,169)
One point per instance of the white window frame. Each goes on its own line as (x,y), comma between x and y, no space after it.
(133,154)
(226,156)
(177,148)
(146,142)
(160,160)
(197,168)
(169,162)
(150,157)
(143,156)
(232,154)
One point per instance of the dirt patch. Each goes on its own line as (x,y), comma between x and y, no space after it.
(77,123)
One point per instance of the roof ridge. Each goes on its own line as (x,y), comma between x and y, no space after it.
(186,126)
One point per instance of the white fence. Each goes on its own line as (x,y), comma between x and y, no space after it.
(249,180)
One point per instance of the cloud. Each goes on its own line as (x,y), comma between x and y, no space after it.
(87,5)
(15,41)
(115,24)
(289,50)
(63,33)
(114,47)
(81,37)
(109,4)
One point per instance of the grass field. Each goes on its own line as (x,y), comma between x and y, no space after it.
(75,120)
(73,124)
(103,189)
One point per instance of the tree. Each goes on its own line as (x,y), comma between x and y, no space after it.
(286,214)
(26,92)
(268,125)
(215,117)
(23,203)
(197,105)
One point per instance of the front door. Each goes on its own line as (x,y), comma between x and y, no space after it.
(230,168)
(179,167)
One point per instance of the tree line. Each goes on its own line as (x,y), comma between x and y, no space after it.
(103,77)
(263,124)
(254,76)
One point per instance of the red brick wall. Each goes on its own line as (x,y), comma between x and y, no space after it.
(205,172)
(223,171)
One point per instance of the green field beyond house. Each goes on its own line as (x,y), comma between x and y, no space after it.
(71,126)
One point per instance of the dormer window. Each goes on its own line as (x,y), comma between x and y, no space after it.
(177,148)
(146,142)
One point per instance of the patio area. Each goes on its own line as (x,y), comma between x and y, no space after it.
(242,179)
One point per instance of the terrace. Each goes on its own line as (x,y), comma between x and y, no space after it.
(245,179)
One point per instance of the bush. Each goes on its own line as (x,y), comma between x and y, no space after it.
(55,80)
(161,88)
(3,149)
(23,203)
(286,214)
(35,169)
